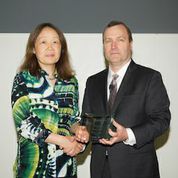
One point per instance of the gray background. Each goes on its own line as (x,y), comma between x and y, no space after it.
(89,16)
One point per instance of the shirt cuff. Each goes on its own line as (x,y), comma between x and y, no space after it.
(131,137)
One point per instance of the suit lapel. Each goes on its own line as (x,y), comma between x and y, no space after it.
(124,85)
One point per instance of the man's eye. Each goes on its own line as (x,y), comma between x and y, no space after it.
(107,41)
(121,39)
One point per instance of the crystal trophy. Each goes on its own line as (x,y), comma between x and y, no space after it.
(97,126)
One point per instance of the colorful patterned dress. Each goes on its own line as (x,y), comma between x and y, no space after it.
(39,109)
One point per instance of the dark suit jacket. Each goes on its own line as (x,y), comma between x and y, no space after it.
(141,104)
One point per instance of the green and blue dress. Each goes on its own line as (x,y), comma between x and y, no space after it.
(39,109)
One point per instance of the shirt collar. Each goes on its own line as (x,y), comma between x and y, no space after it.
(43,73)
(121,72)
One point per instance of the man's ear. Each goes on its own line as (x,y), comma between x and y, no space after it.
(131,44)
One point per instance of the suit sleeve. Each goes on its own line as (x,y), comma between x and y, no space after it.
(85,104)
(157,112)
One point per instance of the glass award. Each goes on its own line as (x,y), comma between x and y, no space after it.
(98,126)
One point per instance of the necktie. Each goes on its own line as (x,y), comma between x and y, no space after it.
(113,91)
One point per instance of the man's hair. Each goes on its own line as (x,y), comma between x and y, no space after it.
(114,23)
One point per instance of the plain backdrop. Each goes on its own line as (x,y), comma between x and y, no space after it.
(158,51)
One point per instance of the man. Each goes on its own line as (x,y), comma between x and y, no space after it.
(140,110)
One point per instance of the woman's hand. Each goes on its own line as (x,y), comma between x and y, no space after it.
(69,144)
(73,148)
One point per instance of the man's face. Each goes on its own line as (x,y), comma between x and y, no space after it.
(117,48)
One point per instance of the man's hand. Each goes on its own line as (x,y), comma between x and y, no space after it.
(118,136)
(81,134)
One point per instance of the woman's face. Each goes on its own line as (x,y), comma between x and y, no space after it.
(47,48)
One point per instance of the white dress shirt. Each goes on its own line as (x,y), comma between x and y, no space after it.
(131,137)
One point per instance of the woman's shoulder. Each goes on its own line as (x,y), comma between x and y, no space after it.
(19,75)
(26,76)
(22,73)
(74,79)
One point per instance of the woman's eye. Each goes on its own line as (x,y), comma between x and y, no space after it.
(56,41)
(42,42)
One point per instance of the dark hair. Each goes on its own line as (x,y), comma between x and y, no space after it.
(30,62)
(114,23)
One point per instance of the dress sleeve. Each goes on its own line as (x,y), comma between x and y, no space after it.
(27,124)
(75,117)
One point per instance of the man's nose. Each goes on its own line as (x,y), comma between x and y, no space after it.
(114,45)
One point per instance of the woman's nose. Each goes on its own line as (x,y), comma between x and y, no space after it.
(50,46)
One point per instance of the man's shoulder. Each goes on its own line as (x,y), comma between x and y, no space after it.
(139,71)
(146,69)
(99,75)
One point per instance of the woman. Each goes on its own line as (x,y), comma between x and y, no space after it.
(45,106)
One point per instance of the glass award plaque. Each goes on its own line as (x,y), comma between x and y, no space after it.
(98,126)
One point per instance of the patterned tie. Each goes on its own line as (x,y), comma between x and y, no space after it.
(113,91)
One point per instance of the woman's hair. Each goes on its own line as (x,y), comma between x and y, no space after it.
(30,63)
